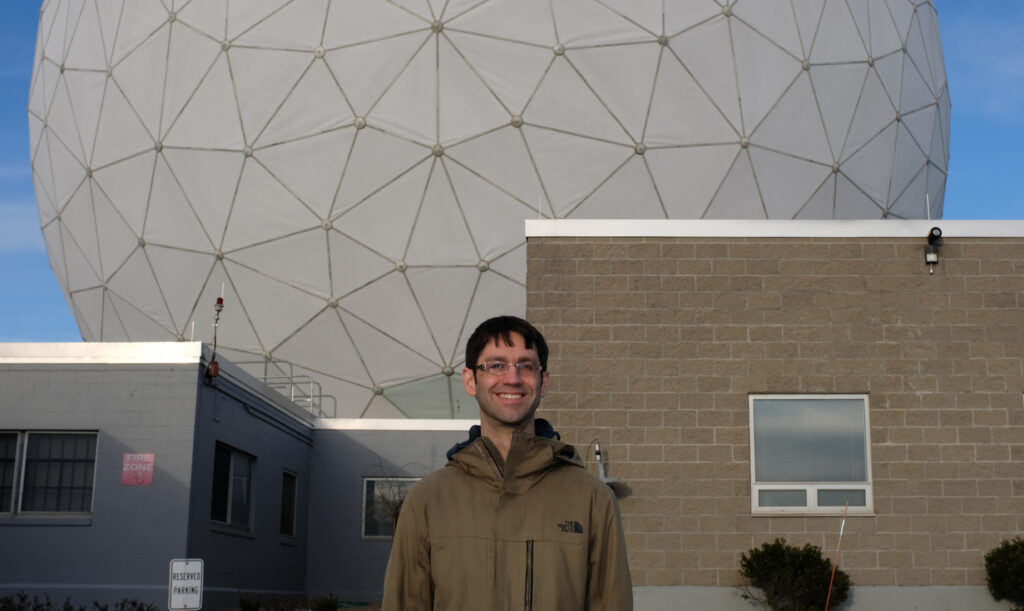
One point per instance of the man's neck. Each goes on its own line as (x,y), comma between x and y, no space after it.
(501,434)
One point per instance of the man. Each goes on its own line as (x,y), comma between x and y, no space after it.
(513,521)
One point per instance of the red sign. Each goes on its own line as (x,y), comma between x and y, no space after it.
(137,469)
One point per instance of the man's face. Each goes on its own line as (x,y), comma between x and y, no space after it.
(511,398)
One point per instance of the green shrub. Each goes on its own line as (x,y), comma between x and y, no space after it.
(248,602)
(791,578)
(130,604)
(324,603)
(21,602)
(1004,569)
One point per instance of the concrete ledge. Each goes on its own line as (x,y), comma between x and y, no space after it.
(394,424)
(761,228)
(101,352)
(862,598)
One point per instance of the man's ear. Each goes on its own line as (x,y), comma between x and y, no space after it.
(544,383)
(469,381)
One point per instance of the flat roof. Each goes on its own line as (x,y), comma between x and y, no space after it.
(101,352)
(769,228)
(394,424)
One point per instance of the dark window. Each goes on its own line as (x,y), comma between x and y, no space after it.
(382,501)
(289,485)
(8,461)
(221,483)
(59,469)
(232,486)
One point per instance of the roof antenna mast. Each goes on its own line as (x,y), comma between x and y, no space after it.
(213,370)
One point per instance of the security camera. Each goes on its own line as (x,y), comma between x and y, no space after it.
(931,251)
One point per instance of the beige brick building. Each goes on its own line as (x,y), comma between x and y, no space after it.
(662,332)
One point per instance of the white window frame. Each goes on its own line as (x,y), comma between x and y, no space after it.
(21,445)
(811,489)
(400,490)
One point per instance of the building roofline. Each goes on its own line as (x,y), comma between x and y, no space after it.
(145,353)
(101,352)
(394,424)
(762,228)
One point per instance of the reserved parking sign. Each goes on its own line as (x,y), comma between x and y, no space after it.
(185,586)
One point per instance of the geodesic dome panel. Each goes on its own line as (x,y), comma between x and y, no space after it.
(353,176)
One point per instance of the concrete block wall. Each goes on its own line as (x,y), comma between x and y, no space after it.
(657,343)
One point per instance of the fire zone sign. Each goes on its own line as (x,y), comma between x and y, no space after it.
(137,469)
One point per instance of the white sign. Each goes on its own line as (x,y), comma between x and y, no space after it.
(185,589)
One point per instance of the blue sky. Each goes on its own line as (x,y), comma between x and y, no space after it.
(984,66)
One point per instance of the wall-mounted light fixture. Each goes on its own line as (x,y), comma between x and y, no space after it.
(621,489)
(931,251)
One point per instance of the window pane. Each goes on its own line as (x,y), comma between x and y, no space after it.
(41,447)
(782,498)
(383,497)
(288,493)
(52,460)
(232,486)
(809,440)
(839,498)
(241,481)
(8,448)
(221,483)
(64,499)
(239,501)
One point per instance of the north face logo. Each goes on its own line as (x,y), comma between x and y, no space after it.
(570,526)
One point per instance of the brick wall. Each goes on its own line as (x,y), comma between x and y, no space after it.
(657,342)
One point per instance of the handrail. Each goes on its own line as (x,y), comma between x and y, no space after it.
(301,389)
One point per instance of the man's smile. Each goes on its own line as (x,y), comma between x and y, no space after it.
(511,395)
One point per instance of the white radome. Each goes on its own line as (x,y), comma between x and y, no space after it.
(354,175)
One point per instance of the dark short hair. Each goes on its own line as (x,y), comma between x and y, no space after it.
(502,327)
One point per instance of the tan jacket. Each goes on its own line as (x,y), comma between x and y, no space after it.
(537,533)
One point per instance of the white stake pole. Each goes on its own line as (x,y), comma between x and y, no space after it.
(835,566)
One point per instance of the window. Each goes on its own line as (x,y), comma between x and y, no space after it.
(289,485)
(810,454)
(232,487)
(382,500)
(8,451)
(47,472)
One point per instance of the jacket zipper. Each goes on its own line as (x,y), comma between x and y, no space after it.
(528,601)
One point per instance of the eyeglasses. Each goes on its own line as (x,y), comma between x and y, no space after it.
(500,367)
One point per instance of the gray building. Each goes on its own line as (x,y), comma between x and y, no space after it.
(116,458)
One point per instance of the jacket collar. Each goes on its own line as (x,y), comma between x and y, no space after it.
(529,457)
(541,427)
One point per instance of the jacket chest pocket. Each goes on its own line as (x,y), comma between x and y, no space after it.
(554,574)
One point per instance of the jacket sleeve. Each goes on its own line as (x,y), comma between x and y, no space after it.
(609,587)
(408,584)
